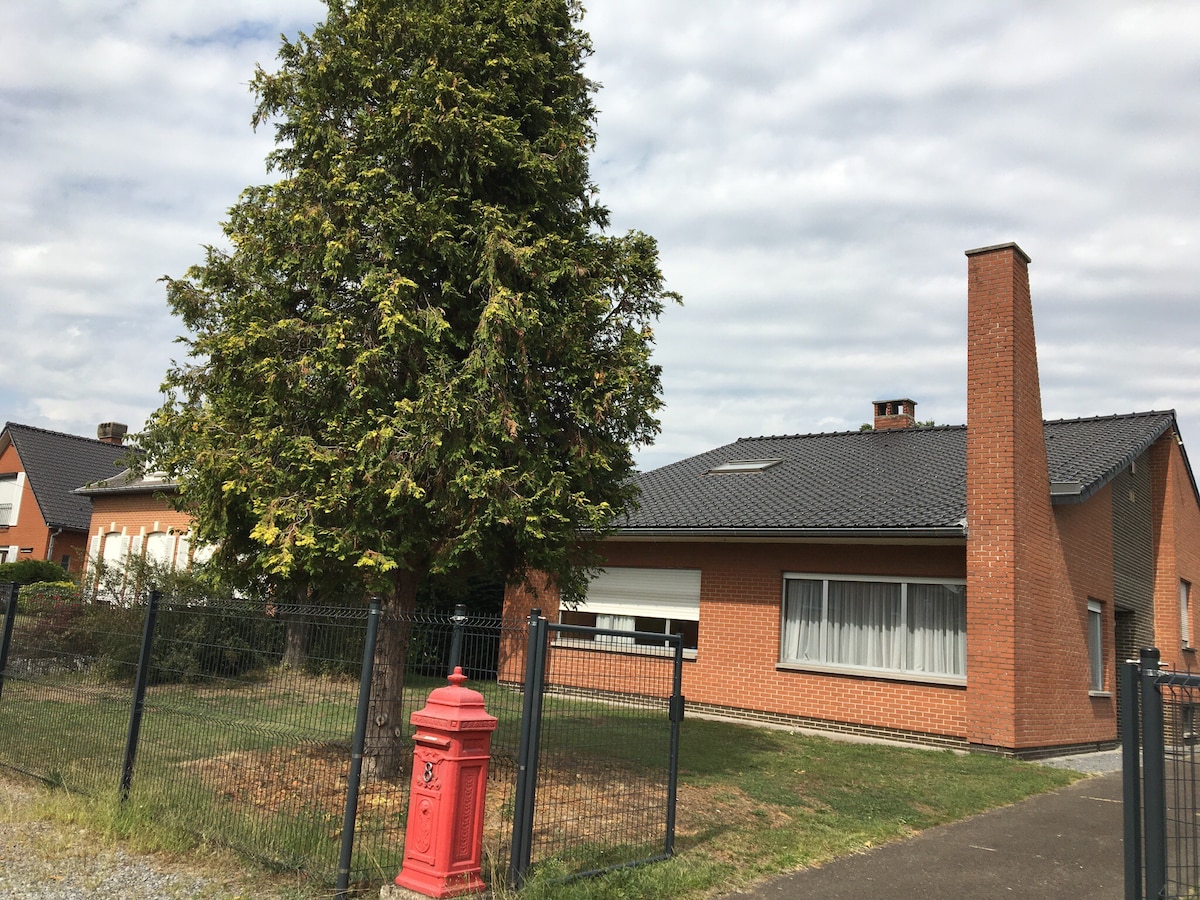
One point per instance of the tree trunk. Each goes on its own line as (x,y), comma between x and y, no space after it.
(383,753)
(299,629)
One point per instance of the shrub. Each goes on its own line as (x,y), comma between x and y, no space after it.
(44,597)
(60,618)
(28,571)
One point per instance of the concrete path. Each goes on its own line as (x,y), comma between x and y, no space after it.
(1064,844)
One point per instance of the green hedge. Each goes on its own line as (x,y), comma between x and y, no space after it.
(28,571)
(198,634)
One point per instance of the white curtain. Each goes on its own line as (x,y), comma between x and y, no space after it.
(802,621)
(937,629)
(864,624)
(616,623)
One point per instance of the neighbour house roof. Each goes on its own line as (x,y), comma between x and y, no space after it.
(55,464)
(126,482)
(908,482)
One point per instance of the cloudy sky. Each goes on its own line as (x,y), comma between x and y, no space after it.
(813,172)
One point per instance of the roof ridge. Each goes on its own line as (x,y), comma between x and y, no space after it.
(946,427)
(1112,416)
(864,431)
(8,426)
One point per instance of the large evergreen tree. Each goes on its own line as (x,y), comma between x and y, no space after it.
(419,350)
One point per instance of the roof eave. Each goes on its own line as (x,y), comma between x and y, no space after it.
(1069,493)
(88,491)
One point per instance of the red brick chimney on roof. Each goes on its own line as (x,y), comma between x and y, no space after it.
(895,414)
(112,433)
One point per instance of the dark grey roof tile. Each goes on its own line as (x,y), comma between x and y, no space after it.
(904,479)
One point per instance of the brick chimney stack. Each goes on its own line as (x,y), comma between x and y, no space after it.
(112,433)
(1018,592)
(891,414)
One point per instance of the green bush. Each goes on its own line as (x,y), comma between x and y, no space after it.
(221,640)
(28,571)
(60,619)
(200,632)
(45,597)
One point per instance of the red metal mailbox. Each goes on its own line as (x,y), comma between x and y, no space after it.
(443,840)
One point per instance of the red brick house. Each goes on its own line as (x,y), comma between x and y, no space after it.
(40,515)
(132,517)
(969,586)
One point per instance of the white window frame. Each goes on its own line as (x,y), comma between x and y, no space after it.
(620,595)
(1095,640)
(13,484)
(904,672)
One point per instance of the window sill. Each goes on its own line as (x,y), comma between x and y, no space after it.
(629,649)
(879,674)
(1100,695)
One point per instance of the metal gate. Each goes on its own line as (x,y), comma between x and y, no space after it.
(609,693)
(1161,795)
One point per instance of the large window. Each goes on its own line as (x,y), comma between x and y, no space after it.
(916,628)
(653,601)
(1095,646)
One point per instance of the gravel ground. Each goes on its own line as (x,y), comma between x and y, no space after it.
(50,860)
(1099,763)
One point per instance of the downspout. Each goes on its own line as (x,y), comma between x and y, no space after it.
(50,547)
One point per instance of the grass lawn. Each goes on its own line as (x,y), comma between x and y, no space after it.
(752,801)
(755,802)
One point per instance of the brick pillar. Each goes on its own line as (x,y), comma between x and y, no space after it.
(1014,564)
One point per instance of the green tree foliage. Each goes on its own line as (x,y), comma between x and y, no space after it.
(419,352)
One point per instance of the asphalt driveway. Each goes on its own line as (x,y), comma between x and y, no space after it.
(1067,843)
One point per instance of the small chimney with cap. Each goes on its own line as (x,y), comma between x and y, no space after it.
(112,433)
(891,414)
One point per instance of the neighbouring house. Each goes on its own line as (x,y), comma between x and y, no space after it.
(132,517)
(967,586)
(40,515)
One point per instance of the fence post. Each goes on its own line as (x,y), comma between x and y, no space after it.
(356,751)
(676,714)
(1131,780)
(1153,764)
(10,617)
(527,753)
(139,693)
(456,640)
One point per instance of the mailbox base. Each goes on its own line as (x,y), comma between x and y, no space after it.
(441,885)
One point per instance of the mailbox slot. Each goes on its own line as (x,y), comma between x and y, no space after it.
(432,740)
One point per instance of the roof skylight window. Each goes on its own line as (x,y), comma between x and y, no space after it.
(737,466)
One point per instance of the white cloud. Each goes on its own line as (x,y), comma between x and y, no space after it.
(813,175)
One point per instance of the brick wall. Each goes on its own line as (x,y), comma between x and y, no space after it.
(134,516)
(1074,716)
(1176,541)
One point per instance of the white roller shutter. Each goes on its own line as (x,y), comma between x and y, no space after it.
(653,593)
